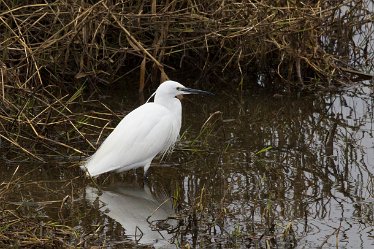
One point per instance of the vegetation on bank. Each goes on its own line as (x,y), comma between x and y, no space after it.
(54,51)
(293,45)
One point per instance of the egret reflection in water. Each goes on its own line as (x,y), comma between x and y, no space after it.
(144,217)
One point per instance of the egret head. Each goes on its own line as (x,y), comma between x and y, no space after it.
(172,89)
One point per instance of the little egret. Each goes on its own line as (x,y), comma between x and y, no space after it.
(150,129)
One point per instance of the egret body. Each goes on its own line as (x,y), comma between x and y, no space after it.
(151,129)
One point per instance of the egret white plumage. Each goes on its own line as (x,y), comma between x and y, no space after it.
(149,130)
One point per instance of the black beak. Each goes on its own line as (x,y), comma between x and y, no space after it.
(195,91)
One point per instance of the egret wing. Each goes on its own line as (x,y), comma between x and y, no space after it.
(136,140)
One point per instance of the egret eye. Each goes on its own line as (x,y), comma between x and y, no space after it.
(179,88)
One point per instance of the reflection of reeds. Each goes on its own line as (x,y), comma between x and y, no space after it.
(23,231)
(23,224)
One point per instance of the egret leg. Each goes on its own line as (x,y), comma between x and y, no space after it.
(146,167)
(145,180)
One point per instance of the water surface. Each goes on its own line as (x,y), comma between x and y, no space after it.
(291,172)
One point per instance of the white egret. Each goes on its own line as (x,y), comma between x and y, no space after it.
(150,129)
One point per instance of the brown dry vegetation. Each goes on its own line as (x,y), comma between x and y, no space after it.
(51,51)
(54,42)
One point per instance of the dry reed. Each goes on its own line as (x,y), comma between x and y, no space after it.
(52,51)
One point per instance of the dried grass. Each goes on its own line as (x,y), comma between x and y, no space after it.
(52,50)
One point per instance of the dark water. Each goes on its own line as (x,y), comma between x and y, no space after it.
(286,172)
